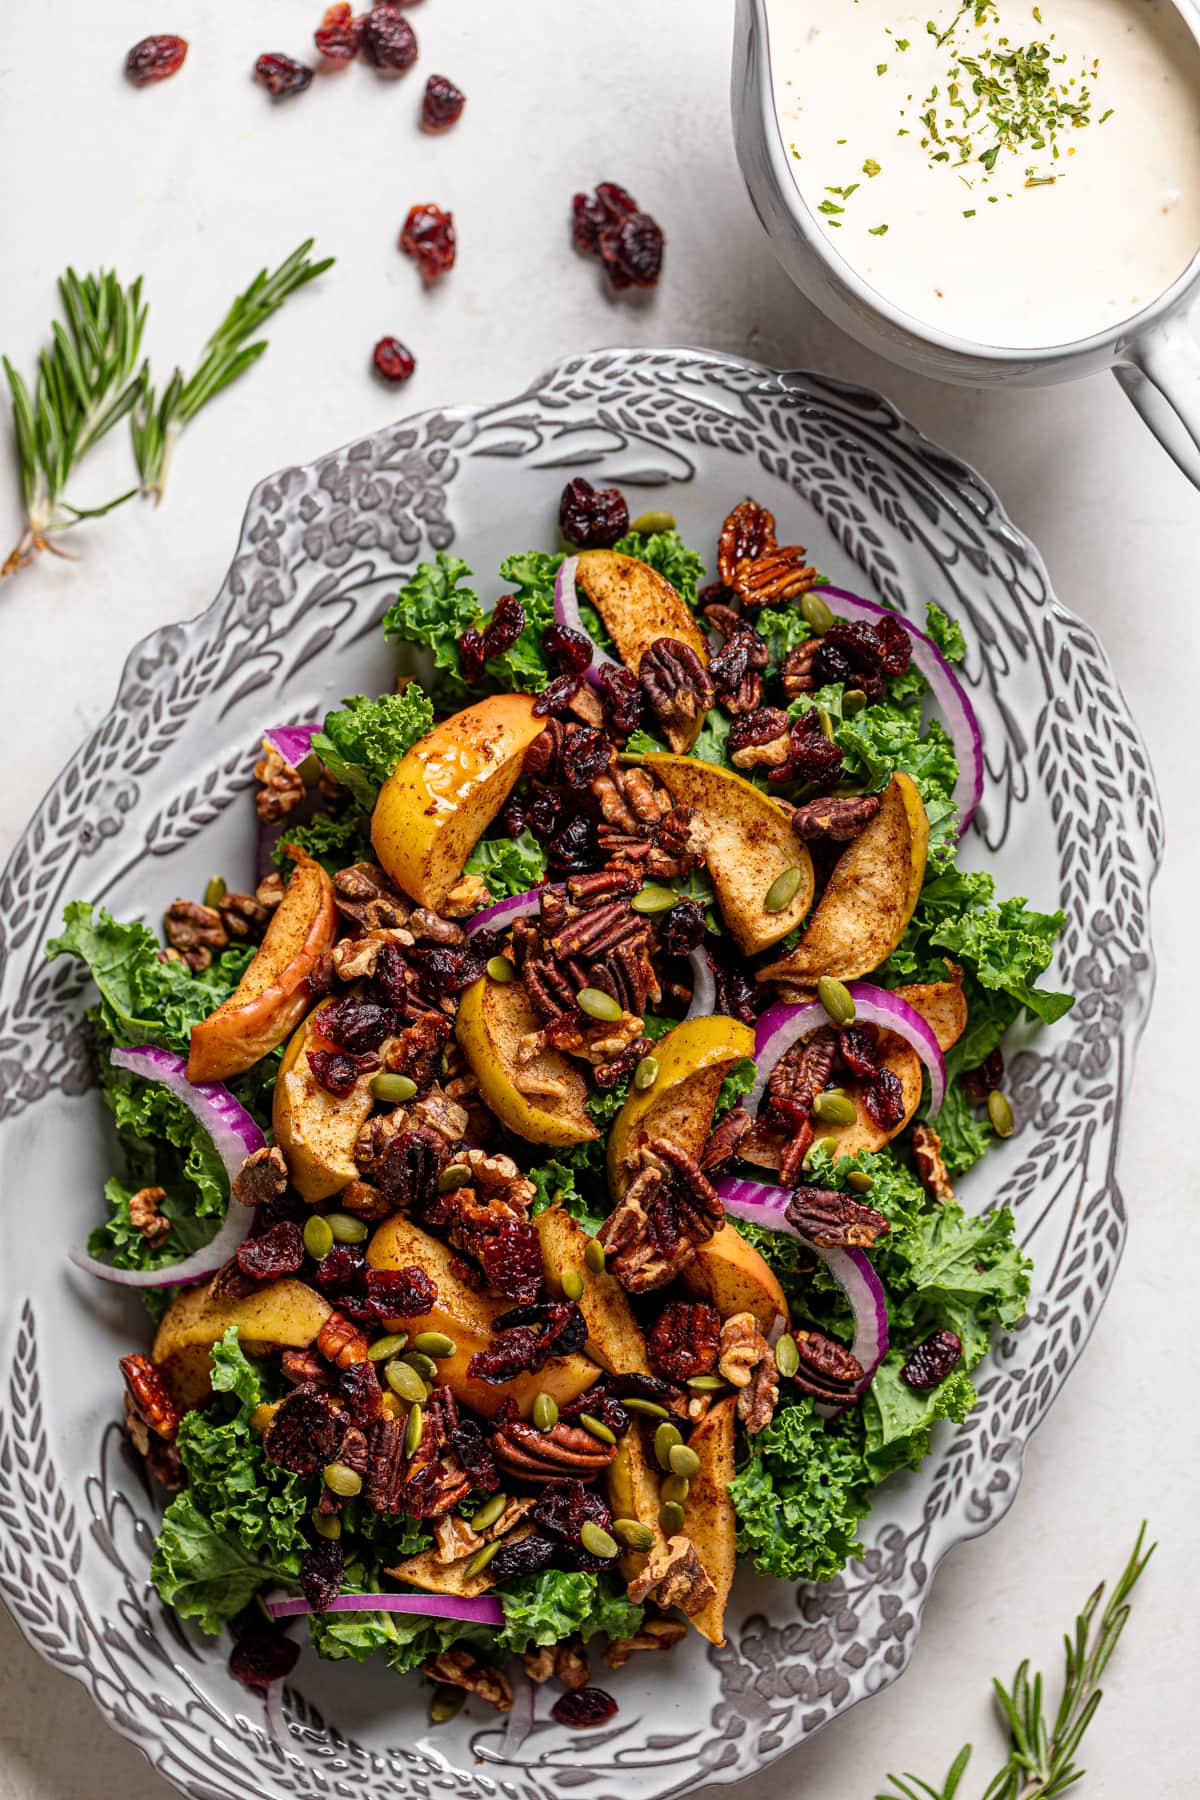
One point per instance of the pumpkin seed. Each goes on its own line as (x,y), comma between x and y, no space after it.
(413,1429)
(318,1238)
(393,1087)
(326,1525)
(665,1439)
(403,1380)
(455,1175)
(837,1000)
(434,1343)
(646,1073)
(649,1409)
(648,523)
(482,1558)
(598,1428)
(346,1229)
(596,1540)
(1000,1113)
(489,1512)
(215,891)
(815,612)
(654,899)
(598,1005)
(675,1487)
(633,1534)
(593,1255)
(424,1365)
(545,1412)
(341,1480)
(853,701)
(671,1517)
(383,1347)
(826,724)
(705,1384)
(825,1146)
(500,968)
(782,891)
(572,1284)
(683,1460)
(787,1355)
(834,1109)
(859,1182)
(446,1703)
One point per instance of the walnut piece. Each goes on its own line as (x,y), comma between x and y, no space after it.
(144,1215)
(462,1668)
(195,931)
(262,1178)
(741,1349)
(466,897)
(364,895)
(931,1169)
(281,791)
(673,1576)
(566,1662)
(652,1634)
(455,1539)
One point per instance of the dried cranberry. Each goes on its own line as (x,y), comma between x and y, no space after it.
(588,219)
(505,625)
(512,1260)
(632,252)
(737,995)
(441,104)
(475,1454)
(337,1072)
(569,650)
(449,968)
(563,1326)
(600,1405)
(616,202)
(543,813)
(471,655)
(303,1433)
(428,235)
(895,645)
(282,75)
(624,702)
(344,1267)
(978,1083)
(362,1396)
(526,1557)
(388,40)
(393,360)
(582,1708)
(858,1047)
(509,1354)
(557,697)
(564,1507)
(632,1386)
(682,929)
(850,652)
(322,1569)
(684,1339)
(339,35)
(354,1025)
(811,757)
(401,1293)
(592,518)
(512,816)
(932,1361)
(155,58)
(279,1251)
(262,1655)
(574,847)
(883,1100)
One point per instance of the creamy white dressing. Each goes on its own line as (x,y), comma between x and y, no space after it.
(981,254)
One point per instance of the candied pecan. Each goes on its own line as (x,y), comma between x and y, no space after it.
(748,532)
(363,894)
(760,740)
(275,1252)
(683,1339)
(833,1221)
(244,917)
(614,883)
(195,931)
(797,673)
(780,573)
(363,1201)
(340,1341)
(383,1487)
(541,1456)
(800,1074)
(407,1293)
(673,1576)
(595,1040)
(722,1142)
(417,1050)
(458,1667)
(828,1371)
(669,1207)
(652,1634)
(149,1396)
(811,756)
(677,686)
(592,934)
(408,1167)
(883,1100)
(165,1465)
(322,1571)
(262,1178)
(931,1361)
(304,1431)
(145,1217)
(840,817)
(930,1164)
(301,1366)
(281,790)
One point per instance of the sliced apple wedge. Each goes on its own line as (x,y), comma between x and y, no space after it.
(287,1314)
(426,1570)
(868,899)
(751,845)
(633,1481)
(615,1339)
(446,791)
(731,1275)
(317,1130)
(274,993)
(468,1318)
(638,606)
(693,1060)
(941,1004)
(709,1516)
(493,1018)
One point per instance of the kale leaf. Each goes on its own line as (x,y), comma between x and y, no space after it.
(363,741)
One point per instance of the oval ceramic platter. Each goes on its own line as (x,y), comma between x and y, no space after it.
(157,798)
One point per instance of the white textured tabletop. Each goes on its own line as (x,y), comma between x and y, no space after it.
(195,184)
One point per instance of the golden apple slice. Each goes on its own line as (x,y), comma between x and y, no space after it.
(317,1130)
(710,1520)
(633,1482)
(426,1570)
(615,1339)
(751,845)
(639,606)
(288,1314)
(493,1018)
(731,1275)
(446,791)
(274,993)
(941,1004)
(693,1060)
(469,1317)
(868,899)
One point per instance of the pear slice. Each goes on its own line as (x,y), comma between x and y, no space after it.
(731,1275)
(287,1314)
(710,1520)
(693,1060)
(615,1339)
(316,1130)
(639,606)
(493,1019)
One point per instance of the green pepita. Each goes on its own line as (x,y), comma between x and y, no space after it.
(433,1343)
(837,999)
(593,1256)
(501,968)
(675,1487)
(654,900)
(665,1439)
(633,1534)
(787,1356)
(1000,1113)
(671,1517)
(482,1558)
(705,1384)
(782,891)
(648,523)
(489,1512)
(318,1239)
(649,1409)
(346,1229)
(825,1146)
(326,1525)
(834,1109)
(596,1540)
(598,1005)
(424,1365)
(853,701)
(598,1428)
(455,1175)
(445,1703)
(393,1088)
(391,1345)
(826,724)
(815,612)
(645,1073)
(683,1460)
(545,1412)
(414,1428)
(859,1182)
(403,1380)
(342,1481)
(215,891)
(572,1284)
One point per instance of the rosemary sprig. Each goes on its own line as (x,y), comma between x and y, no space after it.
(1041,1758)
(158,420)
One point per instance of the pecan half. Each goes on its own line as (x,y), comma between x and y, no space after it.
(364,895)
(262,1178)
(540,1456)
(673,1576)
(834,1221)
(462,1668)
(244,917)
(340,1341)
(798,674)
(195,931)
(675,682)
(779,574)
(837,817)
(630,799)
(652,1634)
(760,740)
(931,1168)
(722,1142)
(281,790)
(149,1396)
(748,532)
(684,1339)
(145,1217)
(827,1369)
(669,1208)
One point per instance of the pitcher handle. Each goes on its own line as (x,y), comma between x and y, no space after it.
(1162,378)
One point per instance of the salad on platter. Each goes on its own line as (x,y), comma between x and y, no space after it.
(542,1182)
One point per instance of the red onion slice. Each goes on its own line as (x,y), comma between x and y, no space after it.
(293,742)
(781,1026)
(485,1609)
(566,612)
(500,916)
(947,690)
(704,985)
(234,1137)
(520,1717)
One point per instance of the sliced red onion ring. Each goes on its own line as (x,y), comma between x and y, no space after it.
(566,612)
(520,1718)
(502,914)
(947,690)
(761,1204)
(704,985)
(484,1610)
(293,742)
(781,1026)
(234,1137)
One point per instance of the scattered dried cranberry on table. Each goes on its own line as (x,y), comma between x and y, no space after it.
(441,104)
(388,40)
(282,75)
(339,35)
(428,235)
(154,58)
(393,360)
(629,243)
